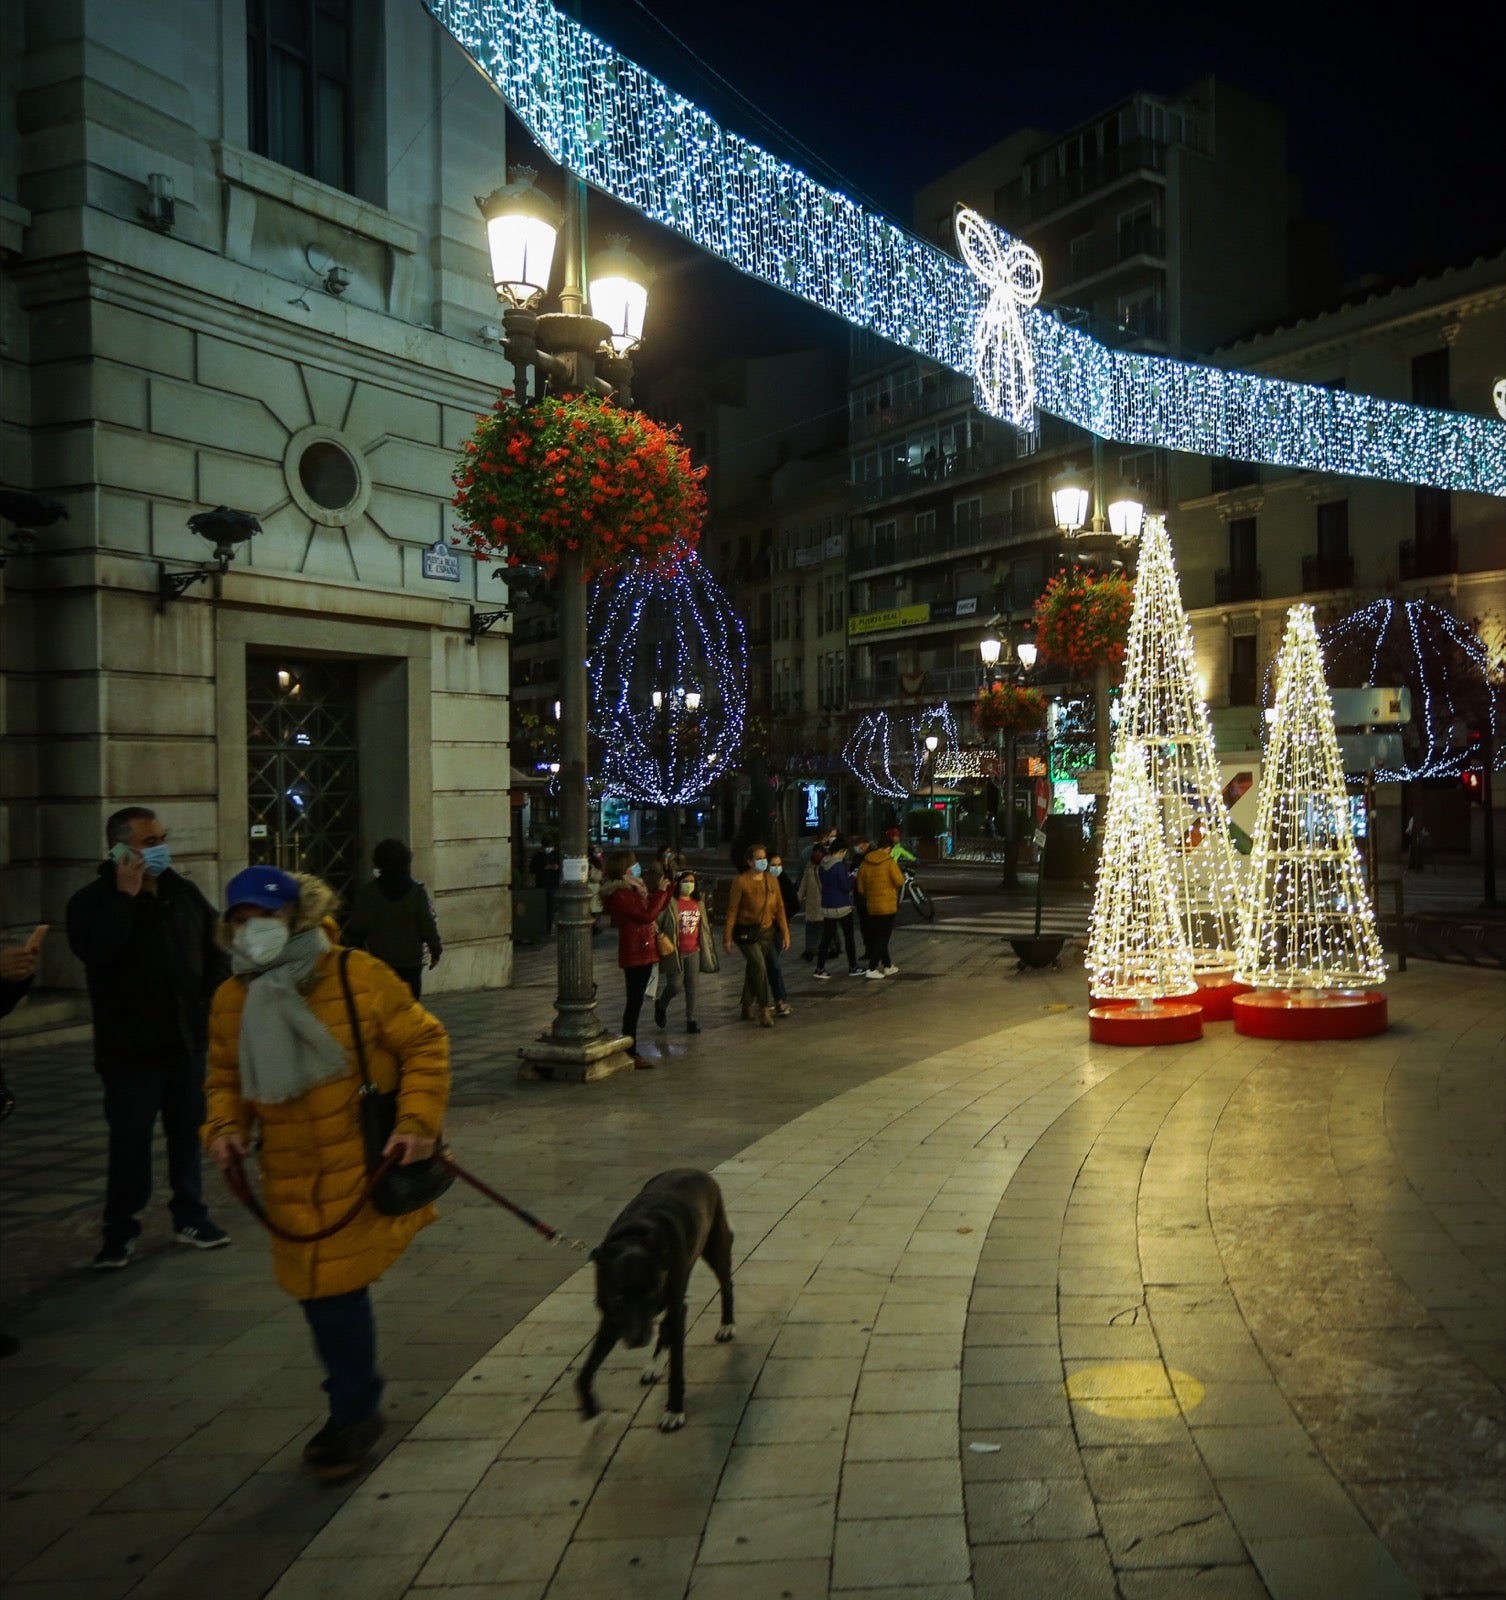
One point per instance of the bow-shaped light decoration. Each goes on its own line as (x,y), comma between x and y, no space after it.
(1003,366)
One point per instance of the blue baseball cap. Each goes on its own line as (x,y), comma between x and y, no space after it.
(268,887)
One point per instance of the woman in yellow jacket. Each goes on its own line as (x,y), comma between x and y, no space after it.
(879,883)
(281,1058)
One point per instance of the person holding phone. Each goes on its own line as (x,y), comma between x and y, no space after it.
(146,937)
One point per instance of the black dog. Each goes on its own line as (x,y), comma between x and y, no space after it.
(642,1271)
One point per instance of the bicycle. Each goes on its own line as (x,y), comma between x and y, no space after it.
(912,891)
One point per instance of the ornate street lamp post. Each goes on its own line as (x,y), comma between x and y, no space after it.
(567,350)
(990,649)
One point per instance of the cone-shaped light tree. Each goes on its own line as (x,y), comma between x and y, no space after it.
(1137,948)
(1161,709)
(1310,923)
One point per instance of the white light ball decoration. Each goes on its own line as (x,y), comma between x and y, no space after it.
(1161,709)
(1137,948)
(668,633)
(1418,645)
(1310,924)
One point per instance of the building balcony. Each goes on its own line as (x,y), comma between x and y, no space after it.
(1428,558)
(1231,585)
(909,408)
(1017,209)
(1096,255)
(1327,572)
(1002,527)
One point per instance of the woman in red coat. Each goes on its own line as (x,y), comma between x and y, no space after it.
(633,910)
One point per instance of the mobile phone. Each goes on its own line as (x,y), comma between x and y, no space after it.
(38,934)
(120,854)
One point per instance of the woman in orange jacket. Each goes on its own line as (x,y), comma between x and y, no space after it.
(879,883)
(282,1060)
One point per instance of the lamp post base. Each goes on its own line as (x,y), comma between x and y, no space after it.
(575,1063)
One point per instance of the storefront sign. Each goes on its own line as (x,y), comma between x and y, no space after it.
(1092,781)
(813,555)
(897,617)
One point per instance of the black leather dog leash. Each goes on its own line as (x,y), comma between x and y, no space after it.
(240,1187)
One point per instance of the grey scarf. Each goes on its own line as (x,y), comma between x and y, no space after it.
(285,1049)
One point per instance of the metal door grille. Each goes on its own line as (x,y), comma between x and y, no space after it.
(303,783)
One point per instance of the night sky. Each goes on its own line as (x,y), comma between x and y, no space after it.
(1396,135)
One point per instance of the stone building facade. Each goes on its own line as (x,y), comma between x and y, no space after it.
(242,266)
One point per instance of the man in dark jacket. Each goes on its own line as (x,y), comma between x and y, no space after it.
(146,939)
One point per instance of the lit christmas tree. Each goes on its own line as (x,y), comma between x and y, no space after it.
(1310,922)
(1137,949)
(668,676)
(1161,710)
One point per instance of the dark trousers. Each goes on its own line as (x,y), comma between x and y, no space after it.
(135,1096)
(879,929)
(344,1332)
(756,970)
(675,976)
(860,912)
(636,979)
(413,977)
(831,938)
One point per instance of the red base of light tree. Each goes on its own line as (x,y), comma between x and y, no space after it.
(1303,1014)
(1216,993)
(1160,1022)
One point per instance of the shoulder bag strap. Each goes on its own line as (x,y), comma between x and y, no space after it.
(355,1021)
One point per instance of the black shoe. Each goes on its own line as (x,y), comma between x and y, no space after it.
(692,1027)
(661,1016)
(204,1235)
(340,1449)
(111,1257)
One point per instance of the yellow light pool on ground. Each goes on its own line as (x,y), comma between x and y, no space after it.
(1134,1390)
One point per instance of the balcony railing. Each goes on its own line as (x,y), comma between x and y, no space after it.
(1098,254)
(1327,572)
(1233,584)
(1428,558)
(1001,527)
(911,406)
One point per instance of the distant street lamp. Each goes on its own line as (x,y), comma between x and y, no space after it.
(990,649)
(931,745)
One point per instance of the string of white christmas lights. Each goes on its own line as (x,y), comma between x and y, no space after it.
(670,634)
(1161,710)
(1137,948)
(1310,923)
(872,748)
(605,119)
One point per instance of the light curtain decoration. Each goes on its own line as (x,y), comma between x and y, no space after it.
(1310,924)
(1161,710)
(1003,361)
(605,119)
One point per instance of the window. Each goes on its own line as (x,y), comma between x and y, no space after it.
(1333,531)
(1430,379)
(1229,475)
(925,524)
(966,513)
(883,543)
(298,81)
(1025,507)
(1242,685)
(1242,545)
(1140,313)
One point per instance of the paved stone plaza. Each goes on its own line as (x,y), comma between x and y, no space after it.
(1017,1316)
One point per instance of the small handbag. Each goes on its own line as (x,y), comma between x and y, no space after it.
(746,933)
(400,1189)
(666,944)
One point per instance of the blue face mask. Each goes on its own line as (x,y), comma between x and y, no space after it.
(760,865)
(777,870)
(636,870)
(158,859)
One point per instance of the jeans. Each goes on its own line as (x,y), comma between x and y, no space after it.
(135,1096)
(344,1332)
(879,929)
(675,976)
(831,938)
(636,979)
(776,972)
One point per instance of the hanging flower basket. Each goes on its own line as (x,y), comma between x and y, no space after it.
(577,474)
(1082,620)
(1009,708)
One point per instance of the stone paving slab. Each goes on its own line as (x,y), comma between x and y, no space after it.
(1223,1319)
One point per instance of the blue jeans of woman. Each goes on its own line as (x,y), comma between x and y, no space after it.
(344,1332)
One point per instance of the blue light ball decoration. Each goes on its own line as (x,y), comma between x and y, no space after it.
(1420,645)
(668,630)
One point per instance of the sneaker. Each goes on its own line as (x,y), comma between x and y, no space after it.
(857,972)
(891,972)
(202,1236)
(112,1256)
(782,1009)
(340,1450)
(825,977)
(692,1027)
(873,972)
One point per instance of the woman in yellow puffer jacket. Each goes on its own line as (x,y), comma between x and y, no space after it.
(282,1059)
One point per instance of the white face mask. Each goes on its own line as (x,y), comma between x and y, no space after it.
(260,940)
